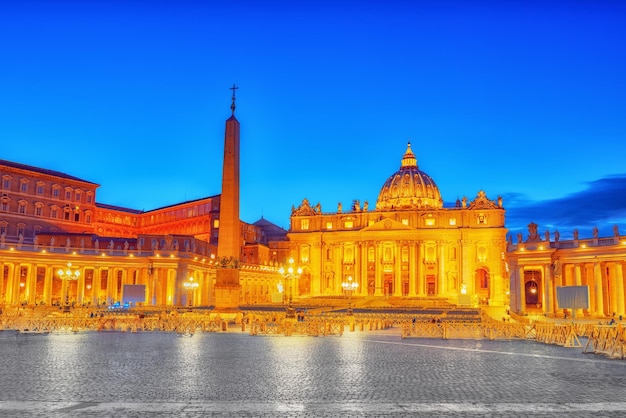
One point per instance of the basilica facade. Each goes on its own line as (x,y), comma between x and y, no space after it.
(409,246)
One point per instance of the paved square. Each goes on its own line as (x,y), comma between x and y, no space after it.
(358,374)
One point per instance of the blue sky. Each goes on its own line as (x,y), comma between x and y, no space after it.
(524,100)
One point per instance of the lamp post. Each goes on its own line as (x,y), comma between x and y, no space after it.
(290,274)
(190,285)
(67,275)
(349,286)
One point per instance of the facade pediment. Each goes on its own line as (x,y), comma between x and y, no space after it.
(305,209)
(482,202)
(387,224)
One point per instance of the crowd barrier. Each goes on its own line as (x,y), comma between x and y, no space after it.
(607,340)
(187,323)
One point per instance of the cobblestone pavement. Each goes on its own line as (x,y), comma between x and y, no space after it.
(358,374)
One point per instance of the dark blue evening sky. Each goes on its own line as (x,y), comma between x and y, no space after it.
(522,99)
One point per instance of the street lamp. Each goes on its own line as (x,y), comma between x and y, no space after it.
(190,285)
(290,274)
(349,286)
(68,274)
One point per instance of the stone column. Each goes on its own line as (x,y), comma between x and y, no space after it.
(31,284)
(111,284)
(153,286)
(170,278)
(611,280)
(338,267)
(95,286)
(441,273)
(619,287)
(15,297)
(579,281)
(2,287)
(362,270)
(597,282)
(124,281)
(420,269)
(47,285)
(465,266)
(181,295)
(64,291)
(548,302)
(378,288)
(397,274)
(412,268)
(80,287)
(8,295)
(521,289)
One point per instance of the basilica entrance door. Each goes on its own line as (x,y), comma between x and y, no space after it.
(431,289)
(388,284)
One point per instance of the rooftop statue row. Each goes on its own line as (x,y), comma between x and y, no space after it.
(534,237)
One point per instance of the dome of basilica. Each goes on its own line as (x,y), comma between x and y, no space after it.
(409,188)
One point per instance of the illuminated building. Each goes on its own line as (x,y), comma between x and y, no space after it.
(539,265)
(409,247)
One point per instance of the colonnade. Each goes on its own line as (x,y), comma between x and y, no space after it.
(605,282)
(33,280)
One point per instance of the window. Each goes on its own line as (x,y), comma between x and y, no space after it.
(56,191)
(430,254)
(304,254)
(387,255)
(38,210)
(4,206)
(40,187)
(77,196)
(24,186)
(304,224)
(348,224)
(482,254)
(452,221)
(405,221)
(329,225)
(89,197)
(216,223)
(6,183)
(68,194)
(21,229)
(3,230)
(54,213)
(429,221)
(481,219)
(21,208)
(88,218)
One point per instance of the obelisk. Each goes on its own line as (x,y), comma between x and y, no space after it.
(227,286)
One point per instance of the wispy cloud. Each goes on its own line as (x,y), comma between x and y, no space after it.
(602,203)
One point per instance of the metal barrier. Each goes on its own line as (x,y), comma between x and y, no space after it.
(608,340)
(564,335)
(288,327)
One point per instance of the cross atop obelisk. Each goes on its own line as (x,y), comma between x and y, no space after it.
(232,106)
